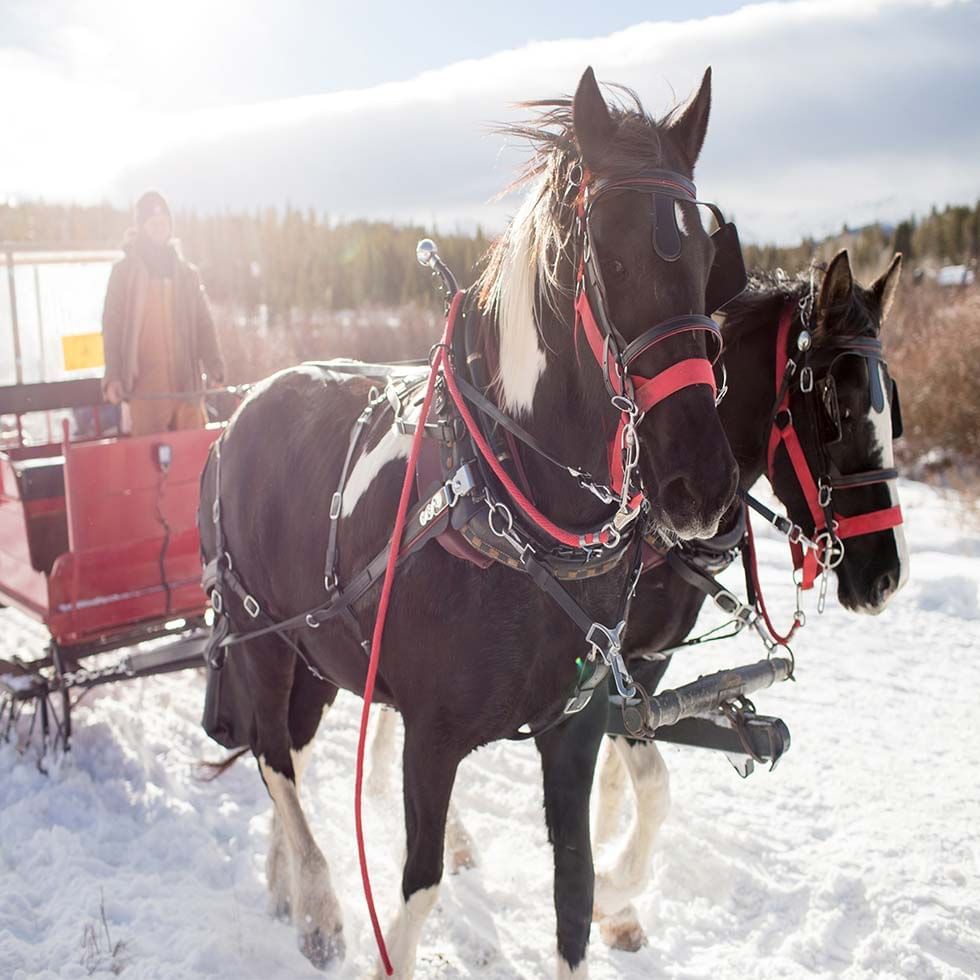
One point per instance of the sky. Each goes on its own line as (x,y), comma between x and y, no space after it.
(824,111)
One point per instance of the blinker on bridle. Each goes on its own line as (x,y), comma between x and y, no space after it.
(633,394)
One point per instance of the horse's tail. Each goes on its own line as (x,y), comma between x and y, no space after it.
(210,771)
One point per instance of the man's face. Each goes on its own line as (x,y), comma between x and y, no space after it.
(158,228)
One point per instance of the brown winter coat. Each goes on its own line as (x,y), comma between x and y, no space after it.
(195,341)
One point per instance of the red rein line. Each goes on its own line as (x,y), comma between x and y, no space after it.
(757,586)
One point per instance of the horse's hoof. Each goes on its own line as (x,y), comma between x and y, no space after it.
(462,859)
(323,950)
(623,931)
(279,908)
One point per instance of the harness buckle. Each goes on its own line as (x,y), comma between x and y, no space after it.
(825,493)
(806,380)
(330,581)
(251,606)
(336,502)
(460,484)
(732,606)
(217,603)
(607,643)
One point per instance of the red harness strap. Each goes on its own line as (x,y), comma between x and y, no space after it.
(808,560)
(647,392)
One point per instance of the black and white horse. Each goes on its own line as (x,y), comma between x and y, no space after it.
(666,607)
(470,655)
(874,565)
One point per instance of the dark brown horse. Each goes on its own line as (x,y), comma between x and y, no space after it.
(855,434)
(666,607)
(472,654)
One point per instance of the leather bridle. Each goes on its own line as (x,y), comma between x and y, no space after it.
(633,394)
(820,484)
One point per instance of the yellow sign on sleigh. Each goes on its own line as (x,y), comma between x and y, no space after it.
(82,351)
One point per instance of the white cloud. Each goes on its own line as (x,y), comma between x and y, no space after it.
(824,111)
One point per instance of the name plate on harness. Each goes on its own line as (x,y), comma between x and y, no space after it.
(437,504)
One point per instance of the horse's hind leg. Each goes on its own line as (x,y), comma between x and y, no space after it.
(615,889)
(430,771)
(297,867)
(308,702)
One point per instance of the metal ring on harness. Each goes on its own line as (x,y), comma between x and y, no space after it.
(830,550)
(251,606)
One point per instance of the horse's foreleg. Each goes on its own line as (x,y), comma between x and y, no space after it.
(428,778)
(628,877)
(611,786)
(568,758)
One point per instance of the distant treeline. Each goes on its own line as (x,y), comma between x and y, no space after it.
(297,262)
(950,236)
(291,261)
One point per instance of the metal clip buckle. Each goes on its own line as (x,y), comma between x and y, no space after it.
(251,606)
(462,483)
(607,643)
(335,505)
(806,380)
(330,581)
(217,603)
(730,604)
(825,493)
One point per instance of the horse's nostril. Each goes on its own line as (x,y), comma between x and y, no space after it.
(679,494)
(883,587)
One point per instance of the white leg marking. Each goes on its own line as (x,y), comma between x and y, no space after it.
(392,445)
(612,786)
(403,936)
(565,972)
(651,784)
(277,871)
(460,852)
(381,773)
(316,911)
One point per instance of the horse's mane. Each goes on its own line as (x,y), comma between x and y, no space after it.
(528,268)
(767,293)
(545,218)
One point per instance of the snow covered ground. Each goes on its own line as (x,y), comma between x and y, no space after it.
(858,857)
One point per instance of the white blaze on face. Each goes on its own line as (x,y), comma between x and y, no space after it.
(882,424)
(681,220)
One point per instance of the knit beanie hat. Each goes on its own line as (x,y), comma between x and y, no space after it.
(149,204)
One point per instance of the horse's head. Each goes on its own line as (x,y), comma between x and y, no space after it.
(846,414)
(648,262)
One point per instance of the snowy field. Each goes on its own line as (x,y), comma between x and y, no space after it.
(858,857)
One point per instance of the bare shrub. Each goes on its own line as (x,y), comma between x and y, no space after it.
(254,350)
(932,341)
(99,952)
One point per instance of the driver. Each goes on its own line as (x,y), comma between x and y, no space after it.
(157,328)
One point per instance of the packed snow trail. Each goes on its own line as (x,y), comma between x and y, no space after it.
(858,857)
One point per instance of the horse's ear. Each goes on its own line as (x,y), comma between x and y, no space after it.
(883,289)
(691,123)
(837,289)
(593,124)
